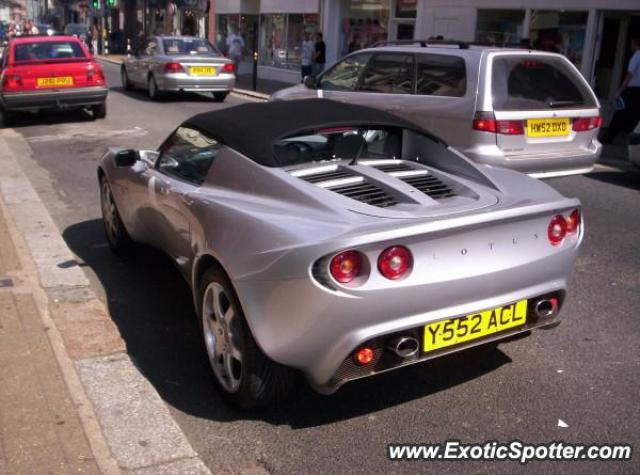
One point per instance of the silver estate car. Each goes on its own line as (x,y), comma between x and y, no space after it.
(527,110)
(340,242)
(178,64)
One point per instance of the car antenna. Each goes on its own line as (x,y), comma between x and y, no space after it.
(360,150)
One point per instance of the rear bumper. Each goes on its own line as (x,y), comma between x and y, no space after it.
(544,165)
(54,99)
(184,82)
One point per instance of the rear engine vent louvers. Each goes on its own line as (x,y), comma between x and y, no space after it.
(366,193)
(419,178)
(327,176)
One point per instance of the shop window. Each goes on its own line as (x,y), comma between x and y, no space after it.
(245,26)
(364,23)
(440,75)
(559,32)
(345,74)
(499,26)
(390,74)
(281,37)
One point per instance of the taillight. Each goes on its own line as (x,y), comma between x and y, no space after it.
(395,262)
(573,222)
(486,122)
(228,68)
(173,68)
(346,266)
(11,81)
(557,230)
(582,124)
(95,75)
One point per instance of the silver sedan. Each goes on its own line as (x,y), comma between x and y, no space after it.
(178,64)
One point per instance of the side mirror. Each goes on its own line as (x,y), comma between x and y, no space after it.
(126,158)
(311,82)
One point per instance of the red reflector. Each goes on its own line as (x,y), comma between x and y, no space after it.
(557,230)
(173,68)
(573,222)
(363,356)
(582,124)
(345,266)
(395,262)
(228,68)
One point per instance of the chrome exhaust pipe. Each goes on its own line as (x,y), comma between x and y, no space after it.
(404,346)
(545,308)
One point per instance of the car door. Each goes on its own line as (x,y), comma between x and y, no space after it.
(134,64)
(181,168)
(341,81)
(149,57)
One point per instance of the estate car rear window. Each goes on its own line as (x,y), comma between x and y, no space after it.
(192,46)
(48,50)
(537,82)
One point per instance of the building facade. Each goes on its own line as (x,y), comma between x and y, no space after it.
(593,34)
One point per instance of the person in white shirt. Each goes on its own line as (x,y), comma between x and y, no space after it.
(306,64)
(235,45)
(626,118)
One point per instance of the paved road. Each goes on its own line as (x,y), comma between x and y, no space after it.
(585,373)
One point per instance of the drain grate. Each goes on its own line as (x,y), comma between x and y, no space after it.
(6,283)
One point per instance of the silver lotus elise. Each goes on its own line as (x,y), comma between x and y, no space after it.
(339,241)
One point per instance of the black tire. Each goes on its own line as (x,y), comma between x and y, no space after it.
(259,381)
(117,236)
(8,118)
(126,84)
(220,96)
(152,89)
(99,111)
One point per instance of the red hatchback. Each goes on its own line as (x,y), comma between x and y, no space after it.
(51,72)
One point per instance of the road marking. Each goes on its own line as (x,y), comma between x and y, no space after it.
(89,134)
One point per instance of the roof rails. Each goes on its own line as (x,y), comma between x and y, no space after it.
(423,43)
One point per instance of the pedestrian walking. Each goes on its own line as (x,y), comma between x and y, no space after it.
(235,45)
(627,98)
(306,64)
(319,54)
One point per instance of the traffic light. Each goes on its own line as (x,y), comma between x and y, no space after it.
(95,4)
(111,3)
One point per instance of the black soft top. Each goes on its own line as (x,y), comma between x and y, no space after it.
(253,128)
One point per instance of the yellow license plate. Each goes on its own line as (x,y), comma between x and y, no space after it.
(548,127)
(202,71)
(450,332)
(55,82)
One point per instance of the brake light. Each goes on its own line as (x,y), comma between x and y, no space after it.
(95,75)
(557,230)
(228,68)
(573,222)
(582,124)
(173,68)
(486,122)
(346,266)
(395,262)
(11,81)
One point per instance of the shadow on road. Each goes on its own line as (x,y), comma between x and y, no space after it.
(28,119)
(627,179)
(167,97)
(151,305)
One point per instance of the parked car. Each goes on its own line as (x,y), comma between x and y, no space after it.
(178,64)
(526,110)
(340,241)
(50,72)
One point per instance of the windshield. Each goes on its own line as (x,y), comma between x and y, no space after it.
(537,83)
(48,50)
(192,46)
(338,143)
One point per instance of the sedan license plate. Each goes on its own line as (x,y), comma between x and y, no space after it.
(202,71)
(548,127)
(55,82)
(450,332)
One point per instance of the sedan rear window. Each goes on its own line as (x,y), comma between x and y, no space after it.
(192,46)
(537,83)
(48,50)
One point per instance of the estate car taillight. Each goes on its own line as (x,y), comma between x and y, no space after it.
(582,124)
(486,122)
(228,68)
(346,266)
(395,262)
(557,230)
(573,222)
(173,68)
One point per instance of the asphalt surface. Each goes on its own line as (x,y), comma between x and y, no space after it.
(584,375)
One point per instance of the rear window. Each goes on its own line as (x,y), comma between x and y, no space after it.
(193,46)
(535,83)
(50,50)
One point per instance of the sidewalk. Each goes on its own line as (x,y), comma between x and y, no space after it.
(244,82)
(71,399)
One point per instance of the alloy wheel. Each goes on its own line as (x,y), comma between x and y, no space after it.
(109,212)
